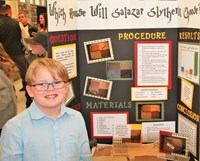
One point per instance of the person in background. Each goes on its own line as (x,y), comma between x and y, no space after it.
(38,44)
(28,31)
(27,26)
(8,108)
(8,66)
(42,26)
(47,130)
(10,37)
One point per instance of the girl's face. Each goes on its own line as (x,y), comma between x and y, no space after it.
(51,97)
(41,19)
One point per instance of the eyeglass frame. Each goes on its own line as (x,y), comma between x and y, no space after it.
(48,84)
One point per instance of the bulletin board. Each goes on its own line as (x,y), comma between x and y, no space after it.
(110,50)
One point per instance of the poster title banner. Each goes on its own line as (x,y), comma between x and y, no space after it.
(72,15)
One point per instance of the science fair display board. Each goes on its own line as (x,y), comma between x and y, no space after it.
(125,61)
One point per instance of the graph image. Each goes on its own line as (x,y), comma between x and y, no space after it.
(188,61)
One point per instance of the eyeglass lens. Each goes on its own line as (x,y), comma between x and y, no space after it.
(45,86)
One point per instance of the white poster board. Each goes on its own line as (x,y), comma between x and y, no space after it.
(151,130)
(102,123)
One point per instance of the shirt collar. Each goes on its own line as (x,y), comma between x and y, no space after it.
(37,114)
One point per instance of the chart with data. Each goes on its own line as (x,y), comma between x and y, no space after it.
(188,61)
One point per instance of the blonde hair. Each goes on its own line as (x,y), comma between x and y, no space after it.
(54,67)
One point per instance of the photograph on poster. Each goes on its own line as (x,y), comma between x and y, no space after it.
(189,128)
(66,54)
(135,137)
(153,63)
(187,92)
(119,70)
(97,88)
(102,123)
(188,61)
(149,111)
(174,144)
(98,50)
(70,95)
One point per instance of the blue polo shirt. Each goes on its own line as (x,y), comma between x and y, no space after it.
(33,136)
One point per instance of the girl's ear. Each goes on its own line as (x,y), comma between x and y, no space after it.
(29,90)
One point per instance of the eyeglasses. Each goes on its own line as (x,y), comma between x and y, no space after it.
(45,86)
